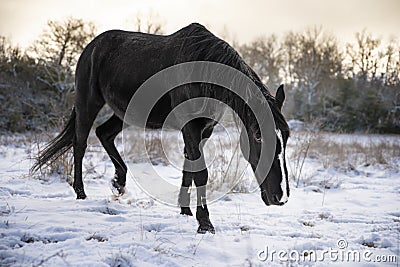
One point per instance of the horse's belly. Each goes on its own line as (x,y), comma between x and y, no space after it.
(135,116)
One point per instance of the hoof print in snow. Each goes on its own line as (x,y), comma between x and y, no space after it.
(98,238)
(369,244)
(144,203)
(109,211)
(244,228)
(32,239)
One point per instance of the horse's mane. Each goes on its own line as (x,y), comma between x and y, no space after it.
(199,44)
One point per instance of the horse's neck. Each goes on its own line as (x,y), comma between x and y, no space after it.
(243,111)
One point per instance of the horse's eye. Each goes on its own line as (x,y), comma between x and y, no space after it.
(258,139)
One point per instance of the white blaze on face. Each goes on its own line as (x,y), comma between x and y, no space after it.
(281,158)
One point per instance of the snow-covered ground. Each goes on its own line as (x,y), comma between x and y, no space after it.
(334,216)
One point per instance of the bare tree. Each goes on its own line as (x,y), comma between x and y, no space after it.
(148,24)
(312,60)
(10,55)
(391,64)
(265,56)
(391,81)
(57,51)
(364,55)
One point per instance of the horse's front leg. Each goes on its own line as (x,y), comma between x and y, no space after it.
(184,193)
(200,178)
(195,168)
(202,214)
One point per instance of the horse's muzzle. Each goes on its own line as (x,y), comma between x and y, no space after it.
(271,200)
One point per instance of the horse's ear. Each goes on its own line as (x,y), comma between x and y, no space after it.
(280,96)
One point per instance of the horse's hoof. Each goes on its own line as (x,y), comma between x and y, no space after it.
(186,211)
(206,227)
(81,196)
(116,188)
(80,193)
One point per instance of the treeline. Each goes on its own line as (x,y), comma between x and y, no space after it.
(352,87)
(339,87)
(37,84)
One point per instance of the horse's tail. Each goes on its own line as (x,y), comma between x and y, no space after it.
(58,146)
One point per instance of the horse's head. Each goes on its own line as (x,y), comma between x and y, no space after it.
(274,187)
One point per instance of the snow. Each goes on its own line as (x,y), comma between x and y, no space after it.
(42,224)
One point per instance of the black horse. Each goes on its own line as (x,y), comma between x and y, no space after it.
(116,63)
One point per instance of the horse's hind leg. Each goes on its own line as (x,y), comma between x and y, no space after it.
(106,134)
(85,116)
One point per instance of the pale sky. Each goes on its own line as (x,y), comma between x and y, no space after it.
(23,20)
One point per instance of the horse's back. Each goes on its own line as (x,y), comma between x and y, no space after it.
(118,62)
